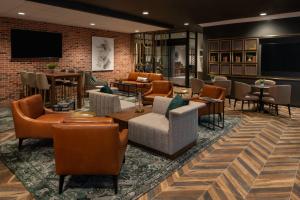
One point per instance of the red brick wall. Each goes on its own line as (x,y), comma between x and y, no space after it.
(77,52)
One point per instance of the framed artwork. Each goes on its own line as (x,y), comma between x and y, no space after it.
(102,54)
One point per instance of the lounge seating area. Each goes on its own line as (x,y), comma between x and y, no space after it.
(149,101)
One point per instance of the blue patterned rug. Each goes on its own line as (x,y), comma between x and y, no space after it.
(35,167)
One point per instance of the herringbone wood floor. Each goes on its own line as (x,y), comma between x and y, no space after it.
(258,159)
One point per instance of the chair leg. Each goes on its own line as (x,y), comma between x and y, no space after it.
(248,104)
(61,183)
(289,107)
(20,143)
(235,103)
(229,100)
(242,105)
(115,180)
(124,159)
(276,109)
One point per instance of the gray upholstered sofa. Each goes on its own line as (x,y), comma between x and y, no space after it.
(168,136)
(103,104)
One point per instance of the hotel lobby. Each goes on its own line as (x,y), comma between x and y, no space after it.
(150,100)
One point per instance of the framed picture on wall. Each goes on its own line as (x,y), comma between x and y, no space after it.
(102,54)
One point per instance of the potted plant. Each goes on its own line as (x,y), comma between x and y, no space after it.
(52,66)
(262,82)
(212,76)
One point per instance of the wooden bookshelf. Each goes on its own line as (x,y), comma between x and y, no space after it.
(236,56)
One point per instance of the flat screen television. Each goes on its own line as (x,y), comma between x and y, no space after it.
(280,56)
(35,44)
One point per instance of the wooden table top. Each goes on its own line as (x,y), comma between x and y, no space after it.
(125,116)
(62,74)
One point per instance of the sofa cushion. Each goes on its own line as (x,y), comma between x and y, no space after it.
(176,102)
(144,133)
(155,77)
(132,76)
(32,106)
(142,79)
(53,118)
(106,89)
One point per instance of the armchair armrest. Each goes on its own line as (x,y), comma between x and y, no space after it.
(186,109)
(103,120)
(148,92)
(170,94)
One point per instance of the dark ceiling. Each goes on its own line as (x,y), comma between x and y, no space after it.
(170,13)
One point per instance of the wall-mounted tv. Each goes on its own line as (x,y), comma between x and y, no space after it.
(280,56)
(35,44)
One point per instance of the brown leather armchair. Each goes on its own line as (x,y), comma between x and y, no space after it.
(89,149)
(32,120)
(212,92)
(158,88)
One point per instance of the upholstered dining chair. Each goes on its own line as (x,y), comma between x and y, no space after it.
(225,84)
(220,78)
(242,92)
(89,149)
(24,75)
(158,88)
(42,84)
(196,85)
(279,95)
(31,80)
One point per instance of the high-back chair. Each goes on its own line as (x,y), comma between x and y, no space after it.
(89,149)
(220,78)
(196,85)
(225,84)
(31,80)
(23,75)
(158,88)
(279,95)
(242,92)
(42,84)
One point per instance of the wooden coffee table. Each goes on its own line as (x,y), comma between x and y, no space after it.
(123,117)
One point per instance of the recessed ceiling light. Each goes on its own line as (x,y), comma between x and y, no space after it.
(186,24)
(92,24)
(263,14)
(21,13)
(145,13)
(137,31)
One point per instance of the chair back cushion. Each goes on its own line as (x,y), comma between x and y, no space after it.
(103,104)
(241,90)
(160,105)
(224,84)
(213,92)
(155,77)
(161,87)
(197,85)
(32,106)
(87,149)
(132,76)
(281,94)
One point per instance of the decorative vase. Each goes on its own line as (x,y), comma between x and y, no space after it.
(138,103)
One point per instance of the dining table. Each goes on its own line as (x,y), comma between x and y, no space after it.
(261,88)
(65,75)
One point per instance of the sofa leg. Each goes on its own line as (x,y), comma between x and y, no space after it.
(61,183)
(115,180)
(289,107)
(234,103)
(124,160)
(20,143)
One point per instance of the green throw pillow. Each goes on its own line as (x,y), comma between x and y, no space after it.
(176,102)
(106,89)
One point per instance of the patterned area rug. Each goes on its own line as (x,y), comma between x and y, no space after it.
(6,120)
(35,167)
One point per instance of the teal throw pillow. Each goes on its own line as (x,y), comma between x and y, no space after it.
(176,102)
(106,89)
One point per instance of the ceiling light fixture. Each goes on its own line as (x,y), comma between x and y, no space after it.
(92,24)
(263,14)
(137,31)
(21,13)
(186,24)
(145,13)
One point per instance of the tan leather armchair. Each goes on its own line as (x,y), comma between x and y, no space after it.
(158,88)
(32,120)
(89,149)
(212,92)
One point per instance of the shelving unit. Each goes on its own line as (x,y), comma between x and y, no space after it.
(233,56)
